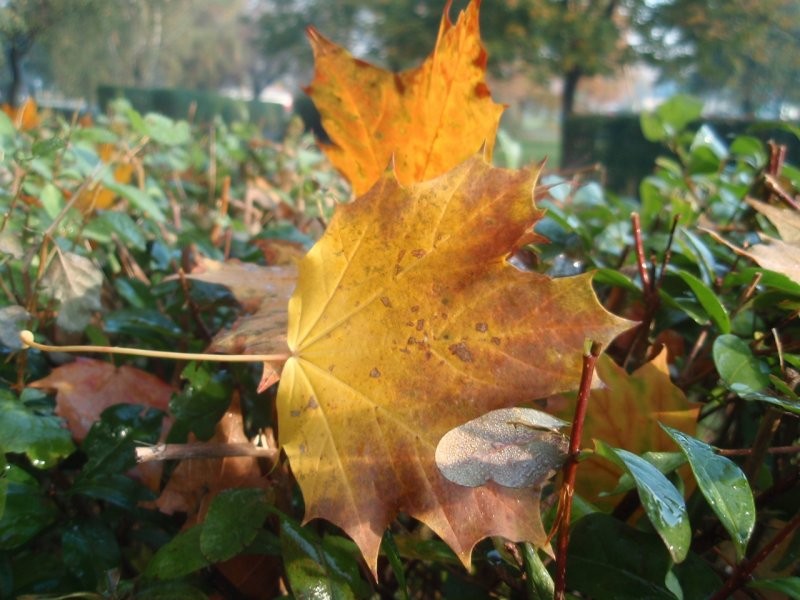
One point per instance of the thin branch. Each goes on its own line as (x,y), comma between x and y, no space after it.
(27,339)
(571,468)
(196,450)
(745,568)
(749,451)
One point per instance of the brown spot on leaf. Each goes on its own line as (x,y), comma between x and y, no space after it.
(375,373)
(415,308)
(482,327)
(386,302)
(295,413)
(312,403)
(496,341)
(418,253)
(420,324)
(461,351)
(482,90)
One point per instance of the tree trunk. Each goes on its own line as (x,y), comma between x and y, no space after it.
(14,55)
(571,79)
(570,86)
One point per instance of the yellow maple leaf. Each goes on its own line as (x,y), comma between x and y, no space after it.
(407,321)
(426,120)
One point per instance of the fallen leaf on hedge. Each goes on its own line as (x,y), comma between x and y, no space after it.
(516,447)
(408,321)
(263,332)
(194,483)
(625,414)
(75,281)
(785,220)
(249,283)
(425,121)
(86,387)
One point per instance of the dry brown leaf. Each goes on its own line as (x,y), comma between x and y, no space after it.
(194,483)
(86,387)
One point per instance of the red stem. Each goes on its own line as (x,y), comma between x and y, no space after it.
(745,568)
(571,468)
(641,262)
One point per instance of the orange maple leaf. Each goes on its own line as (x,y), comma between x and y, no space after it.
(86,387)
(625,414)
(428,119)
(25,116)
(408,321)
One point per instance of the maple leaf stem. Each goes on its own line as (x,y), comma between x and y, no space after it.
(202,450)
(27,339)
(571,469)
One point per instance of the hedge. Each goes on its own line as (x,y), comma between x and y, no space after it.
(617,143)
(201,106)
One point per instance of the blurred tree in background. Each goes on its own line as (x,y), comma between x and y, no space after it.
(745,50)
(750,49)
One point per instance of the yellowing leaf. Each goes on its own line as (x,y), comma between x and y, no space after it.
(408,321)
(625,414)
(425,121)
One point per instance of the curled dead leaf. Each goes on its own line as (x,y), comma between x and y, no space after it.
(515,447)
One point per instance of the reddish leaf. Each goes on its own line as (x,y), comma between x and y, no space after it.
(86,387)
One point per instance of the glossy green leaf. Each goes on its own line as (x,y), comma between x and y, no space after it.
(232,522)
(48,147)
(786,585)
(168,590)
(609,559)
(736,365)
(42,438)
(140,199)
(114,488)
(3,481)
(52,200)
(27,512)
(201,403)
(111,442)
(696,577)
(111,223)
(724,486)
(661,501)
(665,462)
(790,405)
(392,553)
(178,557)
(670,118)
(316,569)
(143,324)
(709,301)
(6,125)
(89,549)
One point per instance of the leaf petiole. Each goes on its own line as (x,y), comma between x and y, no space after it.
(26,337)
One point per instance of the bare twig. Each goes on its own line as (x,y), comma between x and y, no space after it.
(749,451)
(571,468)
(196,450)
(745,568)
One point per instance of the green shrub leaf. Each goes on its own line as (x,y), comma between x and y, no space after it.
(661,501)
(724,486)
